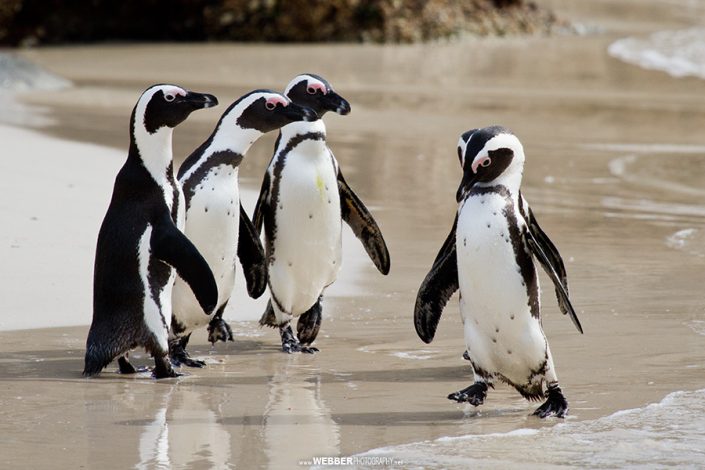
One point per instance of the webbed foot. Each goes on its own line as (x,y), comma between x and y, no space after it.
(179,356)
(292,345)
(475,394)
(555,405)
(162,368)
(219,330)
(125,366)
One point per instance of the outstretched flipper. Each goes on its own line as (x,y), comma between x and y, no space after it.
(440,284)
(363,225)
(547,254)
(252,258)
(171,246)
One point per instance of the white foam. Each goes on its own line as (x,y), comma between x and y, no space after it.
(421,354)
(669,433)
(679,53)
(681,238)
(18,75)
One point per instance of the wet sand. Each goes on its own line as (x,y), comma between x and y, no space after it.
(614,172)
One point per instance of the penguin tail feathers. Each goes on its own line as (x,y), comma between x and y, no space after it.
(96,360)
(268,317)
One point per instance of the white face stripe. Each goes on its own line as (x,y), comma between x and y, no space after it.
(230,135)
(311,82)
(156,149)
(462,145)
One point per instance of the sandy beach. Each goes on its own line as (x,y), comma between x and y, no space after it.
(615,173)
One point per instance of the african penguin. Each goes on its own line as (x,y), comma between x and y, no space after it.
(489,255)
(215,220)
(139,243)
(303,198)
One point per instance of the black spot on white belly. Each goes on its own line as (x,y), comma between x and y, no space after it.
(496,330)
(509,351)
(290,264)
(310,216)
(488,225)
(228,211)
(206,208)
(465,241)
(494,340)
(511,317)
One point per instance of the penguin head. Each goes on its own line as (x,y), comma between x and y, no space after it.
(168,106)
(492,155)
(316,93)
(265,111)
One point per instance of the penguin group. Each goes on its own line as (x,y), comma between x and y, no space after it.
(168,246)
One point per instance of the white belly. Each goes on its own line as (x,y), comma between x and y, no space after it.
(502,337)
(307,244)
(212,224)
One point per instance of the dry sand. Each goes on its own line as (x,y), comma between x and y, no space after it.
(614,173)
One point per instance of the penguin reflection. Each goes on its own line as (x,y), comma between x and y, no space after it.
(184,432)
(296,415)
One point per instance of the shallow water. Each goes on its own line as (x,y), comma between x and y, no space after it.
(615,173)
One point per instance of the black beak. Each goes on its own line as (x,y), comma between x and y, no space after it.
(334,102)
(200,100)
(296,112)
(469,179)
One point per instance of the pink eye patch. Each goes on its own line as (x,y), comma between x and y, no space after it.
(312,85)
(275,100)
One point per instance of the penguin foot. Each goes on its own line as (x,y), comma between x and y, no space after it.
(125,366)
(162,368)
(475,394)
(292,345)
(556,404)
(219,330)
(179,357)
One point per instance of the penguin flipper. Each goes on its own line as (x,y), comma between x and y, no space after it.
(547,262)
(363,225)
(251,254)
(262,204)
(549,249)
(440,284)
(171,246)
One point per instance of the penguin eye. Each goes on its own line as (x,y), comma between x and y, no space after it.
(169,97)
(311,91)
(486,162)
(270,105)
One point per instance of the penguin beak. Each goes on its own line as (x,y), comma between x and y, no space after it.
(334,102)
(296,112)
(200,100)
(469,179)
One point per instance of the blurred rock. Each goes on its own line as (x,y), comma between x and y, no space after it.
(30,22)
